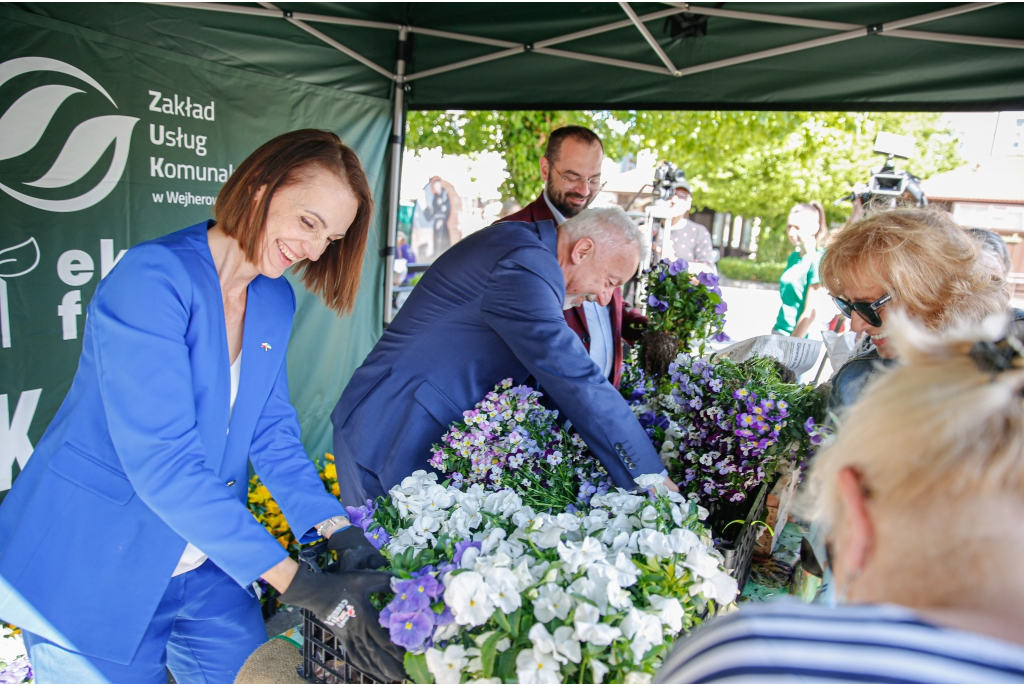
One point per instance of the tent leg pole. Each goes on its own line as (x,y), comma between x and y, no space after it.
(397,151)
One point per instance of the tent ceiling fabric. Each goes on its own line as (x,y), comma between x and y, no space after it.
(619,56)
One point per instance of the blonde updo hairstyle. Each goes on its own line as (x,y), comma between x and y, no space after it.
(930,266)
(938,446)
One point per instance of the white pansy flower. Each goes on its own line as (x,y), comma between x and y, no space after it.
(561,645)
(552,601)
(598,670)
(576,555)
(446,632)
(547,533)
(503,589)
(701,562)
(524,517)
(536,667)
(720,587)
(669,611)
(677,514)
(463,522)
(568,521)
(490,543)
(446,666)
(643,630)
(467,595)
(637,678)
(523,574)
(438,499)
(504,503)
(649,517)
(652,481)
(682,540)
(469,557)
(590,629)
(652,543)
(595,521)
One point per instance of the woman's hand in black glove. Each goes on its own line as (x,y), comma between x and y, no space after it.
(354,551)
(341,601)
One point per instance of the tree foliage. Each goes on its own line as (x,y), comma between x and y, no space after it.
(749,163)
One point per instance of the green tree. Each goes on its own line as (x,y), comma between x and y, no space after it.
(519,137)
(750,163)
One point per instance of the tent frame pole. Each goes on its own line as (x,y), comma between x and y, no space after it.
(395,178)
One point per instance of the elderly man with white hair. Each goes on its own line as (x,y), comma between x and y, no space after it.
(490,308)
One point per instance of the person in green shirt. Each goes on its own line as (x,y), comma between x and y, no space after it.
(799,284)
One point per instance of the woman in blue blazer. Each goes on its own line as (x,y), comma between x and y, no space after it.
(125,544)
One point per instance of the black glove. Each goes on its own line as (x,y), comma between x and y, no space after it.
(341,602)
(354,551)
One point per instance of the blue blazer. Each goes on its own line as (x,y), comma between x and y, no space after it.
(141,456)
(489,308)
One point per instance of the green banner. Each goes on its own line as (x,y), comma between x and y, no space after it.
(105,143)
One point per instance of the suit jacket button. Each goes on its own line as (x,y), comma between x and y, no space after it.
(586,339)
(230,483)
(631,465)
(618,446)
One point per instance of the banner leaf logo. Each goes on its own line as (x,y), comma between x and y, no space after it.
(13,259)
(22,126)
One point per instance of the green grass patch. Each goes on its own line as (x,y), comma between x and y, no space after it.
(740,269)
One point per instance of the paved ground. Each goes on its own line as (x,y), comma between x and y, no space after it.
(752,309)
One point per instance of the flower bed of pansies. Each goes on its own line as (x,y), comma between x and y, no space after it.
(528,567)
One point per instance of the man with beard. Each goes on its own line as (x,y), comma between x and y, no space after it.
(571,169)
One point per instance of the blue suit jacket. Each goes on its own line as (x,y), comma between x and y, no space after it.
(489,308)
(141,457)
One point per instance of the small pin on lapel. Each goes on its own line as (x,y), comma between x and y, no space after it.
(265,346)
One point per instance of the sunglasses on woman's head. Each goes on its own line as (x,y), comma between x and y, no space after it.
(867,310)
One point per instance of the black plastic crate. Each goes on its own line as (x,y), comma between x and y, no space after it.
(739,555)
(323,659)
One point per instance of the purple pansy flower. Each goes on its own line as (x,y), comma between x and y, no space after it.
(721,308)
(362,516)
(461,547)
(677,267)
(378,537)
(411,629)
(408,596)
(707,279)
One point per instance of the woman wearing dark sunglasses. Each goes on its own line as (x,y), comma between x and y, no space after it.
(920,261)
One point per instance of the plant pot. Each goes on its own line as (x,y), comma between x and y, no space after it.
(658,349)
(738,552)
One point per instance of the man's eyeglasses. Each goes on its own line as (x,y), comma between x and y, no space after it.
(575,180)
(867,310)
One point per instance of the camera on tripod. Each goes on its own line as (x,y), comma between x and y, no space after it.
(668,177)
(889,186)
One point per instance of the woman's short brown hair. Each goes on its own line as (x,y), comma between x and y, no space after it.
(927,263)
(279,163)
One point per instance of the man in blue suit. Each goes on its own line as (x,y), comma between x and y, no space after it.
(491,308)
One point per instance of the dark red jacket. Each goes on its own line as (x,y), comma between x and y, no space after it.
(622,317)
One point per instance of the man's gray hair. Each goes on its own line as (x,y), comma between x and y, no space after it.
(603,225)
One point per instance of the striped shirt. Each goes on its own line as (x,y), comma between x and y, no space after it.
(789,642)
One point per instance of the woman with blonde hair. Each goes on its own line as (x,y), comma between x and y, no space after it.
(799,284)
(918,260)
(925,534)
